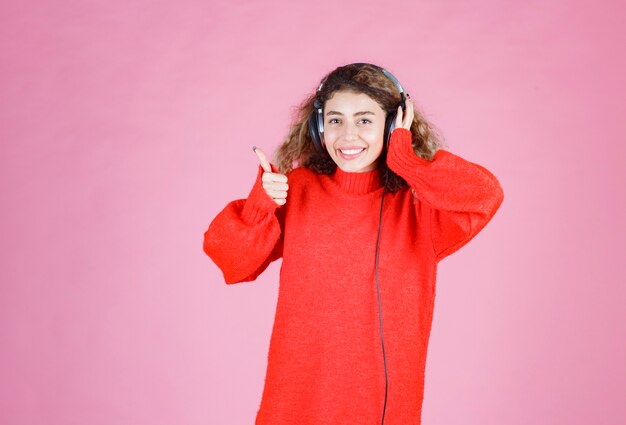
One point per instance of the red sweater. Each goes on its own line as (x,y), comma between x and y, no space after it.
(325,363)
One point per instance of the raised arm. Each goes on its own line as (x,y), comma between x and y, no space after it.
(463,196)
(245,237)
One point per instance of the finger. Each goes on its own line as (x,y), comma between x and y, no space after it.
(408,117)
(262,159)
(275,186)
(277,194)
(274,177)
(399,117)
(281,201)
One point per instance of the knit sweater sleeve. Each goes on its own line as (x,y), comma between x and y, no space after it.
(245,237)
(463,196)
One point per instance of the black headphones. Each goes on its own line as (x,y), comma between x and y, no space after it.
(316,120)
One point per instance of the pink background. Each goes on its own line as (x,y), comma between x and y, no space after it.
(126,127)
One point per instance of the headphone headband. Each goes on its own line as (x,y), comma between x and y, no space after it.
(388,74)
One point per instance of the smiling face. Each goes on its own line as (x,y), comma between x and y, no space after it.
(354,126)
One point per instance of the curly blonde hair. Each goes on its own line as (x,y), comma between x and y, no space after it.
(298,149)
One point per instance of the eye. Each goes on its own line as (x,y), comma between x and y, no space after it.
(365,121)
(333,121)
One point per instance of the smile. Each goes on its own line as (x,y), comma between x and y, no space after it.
(351,151)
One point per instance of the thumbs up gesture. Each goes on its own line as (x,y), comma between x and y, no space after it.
(275,184)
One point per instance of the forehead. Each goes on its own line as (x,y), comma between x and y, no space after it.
(348,101)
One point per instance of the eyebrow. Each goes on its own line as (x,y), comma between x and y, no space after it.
(355,114)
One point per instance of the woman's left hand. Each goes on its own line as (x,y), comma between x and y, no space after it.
(405,118)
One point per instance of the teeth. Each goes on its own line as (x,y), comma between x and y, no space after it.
(351,151)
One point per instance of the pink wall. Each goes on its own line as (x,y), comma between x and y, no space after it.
(126,127)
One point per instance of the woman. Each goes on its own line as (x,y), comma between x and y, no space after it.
(361,207)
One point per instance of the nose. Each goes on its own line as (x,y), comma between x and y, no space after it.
(351,132)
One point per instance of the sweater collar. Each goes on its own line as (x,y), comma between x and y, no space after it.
(357,183)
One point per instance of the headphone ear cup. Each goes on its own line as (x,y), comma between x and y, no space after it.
(390,125)
(316,127)
(314,131)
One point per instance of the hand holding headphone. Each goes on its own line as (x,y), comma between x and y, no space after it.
(404,118)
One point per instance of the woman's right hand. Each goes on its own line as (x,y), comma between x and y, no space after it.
(275,184)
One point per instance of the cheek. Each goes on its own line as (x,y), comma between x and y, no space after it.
(377,133)
(377,139)
(328,146)
(330,133)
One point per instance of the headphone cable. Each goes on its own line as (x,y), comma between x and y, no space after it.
(380,311)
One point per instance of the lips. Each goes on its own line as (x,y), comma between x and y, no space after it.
(350,152)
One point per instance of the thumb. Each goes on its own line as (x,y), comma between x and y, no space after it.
(262,159)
